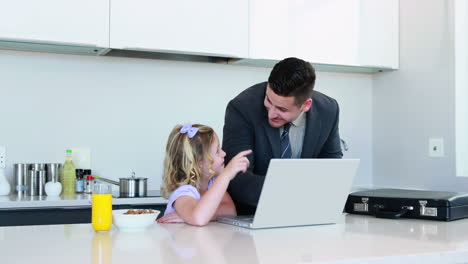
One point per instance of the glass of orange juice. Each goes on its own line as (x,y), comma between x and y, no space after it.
(101,207)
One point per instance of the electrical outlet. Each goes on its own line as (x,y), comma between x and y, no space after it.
(2,157)
(436,147)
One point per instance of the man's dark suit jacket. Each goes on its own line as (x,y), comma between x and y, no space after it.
(246,127)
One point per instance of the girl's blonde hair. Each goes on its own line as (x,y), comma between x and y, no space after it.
(184,156)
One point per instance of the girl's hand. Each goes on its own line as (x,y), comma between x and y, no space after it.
(237,164)
(170,218)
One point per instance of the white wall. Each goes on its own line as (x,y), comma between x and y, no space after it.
(416,103)
(354,95)
(461,86)
(123,108)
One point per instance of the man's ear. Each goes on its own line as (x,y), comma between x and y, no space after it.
(307,105)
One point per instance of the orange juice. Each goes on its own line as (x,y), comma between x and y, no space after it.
(101,212)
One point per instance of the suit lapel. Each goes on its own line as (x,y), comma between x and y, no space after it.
(312,133)
(273,136)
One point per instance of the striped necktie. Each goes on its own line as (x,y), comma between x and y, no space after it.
(285,146)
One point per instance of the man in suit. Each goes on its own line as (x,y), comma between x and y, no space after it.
(281,118)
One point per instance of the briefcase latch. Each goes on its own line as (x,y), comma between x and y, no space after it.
(427,211)
(362,207)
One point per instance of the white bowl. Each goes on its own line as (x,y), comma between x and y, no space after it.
(133,222)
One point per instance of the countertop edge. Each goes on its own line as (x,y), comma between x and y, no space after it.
(12,202)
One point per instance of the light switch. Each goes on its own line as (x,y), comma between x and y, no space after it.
(2,157)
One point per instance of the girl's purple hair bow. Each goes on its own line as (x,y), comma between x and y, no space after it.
(189,130)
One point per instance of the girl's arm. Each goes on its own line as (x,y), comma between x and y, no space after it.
(200,212)
(225,208)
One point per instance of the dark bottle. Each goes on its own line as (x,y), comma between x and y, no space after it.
(79,181)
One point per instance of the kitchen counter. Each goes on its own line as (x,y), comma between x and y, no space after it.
(67,209)
(359,239)
(73,200)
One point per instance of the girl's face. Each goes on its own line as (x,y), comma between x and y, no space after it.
(218,159)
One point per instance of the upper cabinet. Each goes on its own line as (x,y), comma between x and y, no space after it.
(204,27)
(58,23)
(335,35)
(361,33)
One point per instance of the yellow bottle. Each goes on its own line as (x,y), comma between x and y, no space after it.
(101,208)
(68,174)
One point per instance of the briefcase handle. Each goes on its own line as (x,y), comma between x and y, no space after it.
(380,213)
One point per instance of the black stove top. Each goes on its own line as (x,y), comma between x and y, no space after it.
(152,193)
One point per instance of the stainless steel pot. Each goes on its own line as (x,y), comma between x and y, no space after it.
(130,186)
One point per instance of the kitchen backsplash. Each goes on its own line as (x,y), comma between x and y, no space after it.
(122,109)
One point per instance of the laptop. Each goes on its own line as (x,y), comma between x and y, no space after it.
(299,192)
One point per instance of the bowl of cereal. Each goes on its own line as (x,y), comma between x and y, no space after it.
(134,219)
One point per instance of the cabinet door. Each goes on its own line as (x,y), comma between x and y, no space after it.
(379,33)
(211,27)
(56,21)
(341,32)
(269,32)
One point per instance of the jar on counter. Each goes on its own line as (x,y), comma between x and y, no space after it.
(89,184)
(79,181)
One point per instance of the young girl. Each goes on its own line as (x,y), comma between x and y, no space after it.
(195,177)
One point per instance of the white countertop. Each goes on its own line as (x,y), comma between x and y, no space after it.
(361,239)
(14,201)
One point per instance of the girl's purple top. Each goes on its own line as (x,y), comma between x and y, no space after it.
(184,190)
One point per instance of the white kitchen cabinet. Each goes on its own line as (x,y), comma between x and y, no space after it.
(68,23)
(204,27)
(334,32)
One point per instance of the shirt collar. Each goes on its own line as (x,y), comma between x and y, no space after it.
(300,120)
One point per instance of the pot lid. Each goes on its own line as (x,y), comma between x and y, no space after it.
(133,178)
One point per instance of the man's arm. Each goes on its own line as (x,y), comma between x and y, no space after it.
(238,135)
(332,147)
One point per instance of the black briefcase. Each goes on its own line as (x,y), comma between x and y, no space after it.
(396,203)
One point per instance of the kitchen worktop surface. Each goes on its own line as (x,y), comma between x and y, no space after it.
(79,200)
(359,239)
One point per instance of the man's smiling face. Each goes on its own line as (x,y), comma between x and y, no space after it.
(283,109)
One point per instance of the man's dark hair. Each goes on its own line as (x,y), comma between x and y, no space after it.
(293,77)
